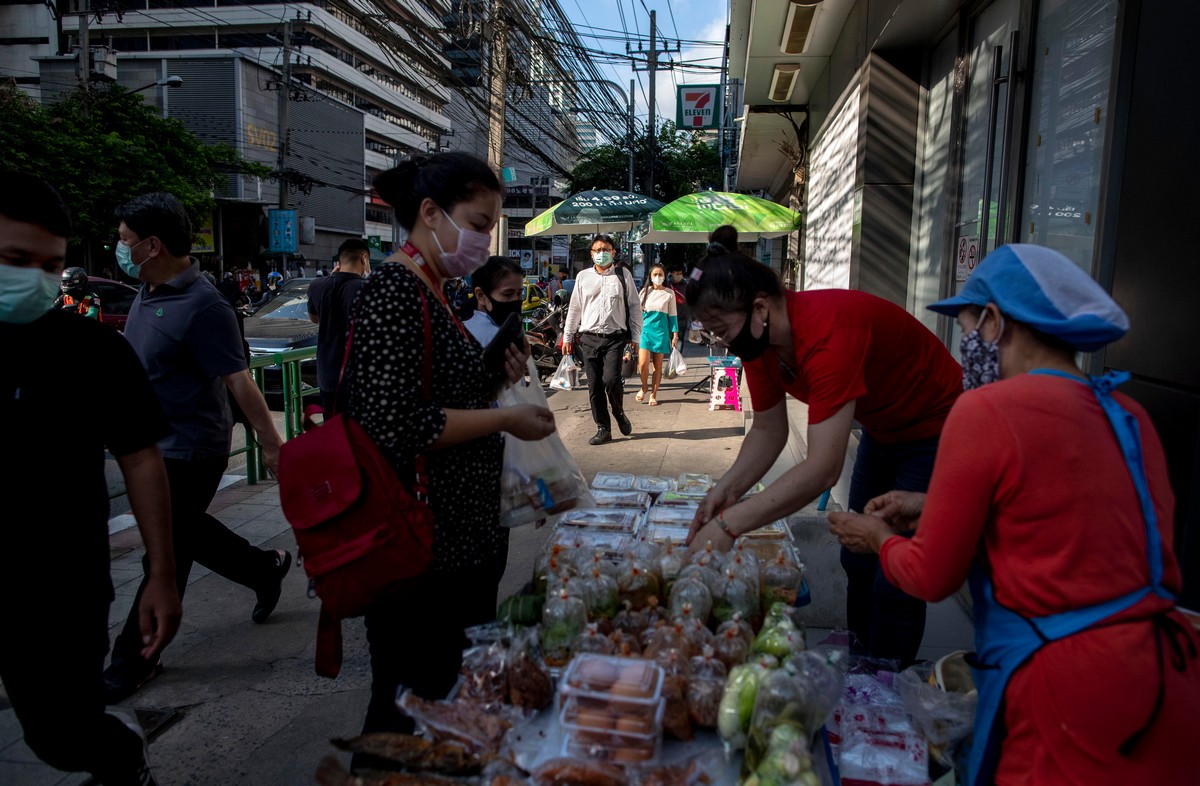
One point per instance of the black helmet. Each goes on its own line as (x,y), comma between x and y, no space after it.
(74,281)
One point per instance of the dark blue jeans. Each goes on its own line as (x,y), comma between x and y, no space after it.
(889,623)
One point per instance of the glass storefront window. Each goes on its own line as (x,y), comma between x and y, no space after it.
(1070,84)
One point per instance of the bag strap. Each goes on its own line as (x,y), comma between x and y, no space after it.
(625,299)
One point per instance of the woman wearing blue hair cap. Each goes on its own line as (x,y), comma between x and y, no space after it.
(1050,495)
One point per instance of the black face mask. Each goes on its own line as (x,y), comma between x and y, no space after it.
(502,308)
(745,345)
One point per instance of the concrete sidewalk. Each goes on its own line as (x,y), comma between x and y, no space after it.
(239,703)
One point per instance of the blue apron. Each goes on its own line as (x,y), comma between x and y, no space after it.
(1005,640)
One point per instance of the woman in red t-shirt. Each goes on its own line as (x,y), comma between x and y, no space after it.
(849,356)
(1050,495)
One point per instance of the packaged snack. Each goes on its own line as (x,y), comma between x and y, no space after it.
(739,624)
(622,682)
(659,642)
(672,499)
(653,485)
(610,519)
(625,644)
(775,531)
(606,498)
(573,772)
(675,719)
(693,593)
(611,544)
(480,728)
(709,557)
(530,686)
(484,674)
(704,572)
(613,481)
(695,484)
(541,565)
(604,731)
(696,632)
(563,620)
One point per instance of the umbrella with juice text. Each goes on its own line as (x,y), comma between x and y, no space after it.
(593,212)
(691,218)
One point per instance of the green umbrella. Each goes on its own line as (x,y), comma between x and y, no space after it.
(593,212)
(691,218)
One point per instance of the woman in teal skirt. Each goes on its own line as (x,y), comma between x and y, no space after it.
(660,331)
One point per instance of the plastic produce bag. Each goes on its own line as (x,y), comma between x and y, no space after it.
(676,365)
(540,479)
(694,328)
(566,376)
(945,717)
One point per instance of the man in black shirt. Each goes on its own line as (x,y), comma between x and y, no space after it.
(52,661)
(330,305)
(186,336)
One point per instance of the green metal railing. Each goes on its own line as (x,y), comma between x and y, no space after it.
(294,390)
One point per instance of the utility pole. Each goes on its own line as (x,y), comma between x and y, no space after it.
(652,67)
(631,86)
(84,63)
(285,88)
(499,68)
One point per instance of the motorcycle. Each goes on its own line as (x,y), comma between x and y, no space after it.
(545,339)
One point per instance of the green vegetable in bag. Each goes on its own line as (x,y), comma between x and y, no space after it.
(522,609)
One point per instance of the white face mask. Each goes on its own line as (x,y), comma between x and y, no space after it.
(658,280)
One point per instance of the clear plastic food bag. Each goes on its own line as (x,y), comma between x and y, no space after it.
(540,479)
(676,364)
(566,376)
(945,717)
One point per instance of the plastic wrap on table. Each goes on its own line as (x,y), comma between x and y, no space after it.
(653,484)
(483,729)
(609,498)
(530,685)
(573,772)
(564,618)
(674,499)
(613,481)
(625,520)
(945,717)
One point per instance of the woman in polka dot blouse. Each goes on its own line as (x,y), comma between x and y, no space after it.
(448,203)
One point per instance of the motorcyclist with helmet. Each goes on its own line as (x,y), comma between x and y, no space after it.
(274,281)
(76,294)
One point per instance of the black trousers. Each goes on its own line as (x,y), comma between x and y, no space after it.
(52,666)
(602,359)
(198,537)
(888,622)
(415,637)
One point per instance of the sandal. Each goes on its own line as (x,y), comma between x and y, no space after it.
(653,401)
(641,394)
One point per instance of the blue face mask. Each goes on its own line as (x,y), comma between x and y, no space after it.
(124,253)
(26,293)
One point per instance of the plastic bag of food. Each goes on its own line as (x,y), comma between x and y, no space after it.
(943,710)
(709,557)
(734,596)
(603,598)
(659,642)
(676,365)
(785,761)
(656,613)
(704,700)
(670,563)
(573,772)
(630,620)
(530,686)
(625,645)
(693,593)
(697,633)
(556,553)
(737,704)
(563,619)
(730,646)
(784,709)
(484,674)
(896,755)
(521,609)
(780,580)
(592,642)
(710,577)
(481,728)
(566,376)
(636,584)
(676,720)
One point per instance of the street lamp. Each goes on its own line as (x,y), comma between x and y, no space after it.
(169,81)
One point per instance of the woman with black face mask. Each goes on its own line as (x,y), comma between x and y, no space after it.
(849,356)
(497,295)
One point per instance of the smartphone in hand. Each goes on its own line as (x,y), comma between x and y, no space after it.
(511,334)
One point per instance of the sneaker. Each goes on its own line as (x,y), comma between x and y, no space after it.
(624,424)
(124,678)
(143,776)
(603,435)
(268,598)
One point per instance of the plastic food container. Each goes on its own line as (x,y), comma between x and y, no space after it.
(608,519)
(676,499)
(596,730)
(616,682)
(775,531)
(611,544)
(661,533)
(652,484)
(672,514)
(613,481)
(695,484)
(621,499)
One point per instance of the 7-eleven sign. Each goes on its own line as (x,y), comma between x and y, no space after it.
(699,107)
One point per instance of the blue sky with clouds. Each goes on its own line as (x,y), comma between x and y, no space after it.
(603,24)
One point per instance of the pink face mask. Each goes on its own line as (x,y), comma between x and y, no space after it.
(469,254)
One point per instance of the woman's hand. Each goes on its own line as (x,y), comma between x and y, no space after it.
(528,422)
(675,341)
(716,500)
(698,539)
(900,509)
(515,361)
(860,533)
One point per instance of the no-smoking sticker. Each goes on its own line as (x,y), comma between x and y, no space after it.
(967,258)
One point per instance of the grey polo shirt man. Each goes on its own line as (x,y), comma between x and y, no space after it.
(186,335)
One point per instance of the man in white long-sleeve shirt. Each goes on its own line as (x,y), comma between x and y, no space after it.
(605,314)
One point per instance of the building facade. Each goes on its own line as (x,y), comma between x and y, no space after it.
(917,135)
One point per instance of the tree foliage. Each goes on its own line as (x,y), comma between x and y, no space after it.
(683,162)
(104,147)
